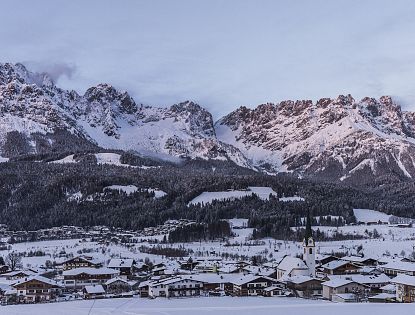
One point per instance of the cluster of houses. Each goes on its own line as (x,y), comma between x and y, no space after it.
(317,276)
(98,233)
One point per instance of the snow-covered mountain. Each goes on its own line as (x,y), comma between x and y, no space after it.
(37,115)
(341,139)
(333,138)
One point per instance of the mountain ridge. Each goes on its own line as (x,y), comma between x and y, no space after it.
(338,139)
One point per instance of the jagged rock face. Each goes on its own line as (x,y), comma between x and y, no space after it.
(339,139)
(334,138)
(40,116)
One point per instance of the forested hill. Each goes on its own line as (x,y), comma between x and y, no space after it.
(39,194)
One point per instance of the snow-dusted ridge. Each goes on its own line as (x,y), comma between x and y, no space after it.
(339,138)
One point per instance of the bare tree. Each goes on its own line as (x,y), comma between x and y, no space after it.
(14,261)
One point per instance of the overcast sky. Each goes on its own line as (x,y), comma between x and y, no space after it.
(222,54)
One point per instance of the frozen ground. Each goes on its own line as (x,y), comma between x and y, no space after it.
(201,306)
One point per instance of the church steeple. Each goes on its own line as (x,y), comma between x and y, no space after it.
(309,255)
(308,230)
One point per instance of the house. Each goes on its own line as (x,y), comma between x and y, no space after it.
(95,291)
(361,261)
(178,286)
(188,264)
(80,262)
(217,282)
(251,285)
(339,286)
(405,288)
(322,259)
(117,285)
(78,278)
(18,274)
(394,268)
(304,286)
(373,282)
(339,267)
(275,290)
(35,289)
(123,265)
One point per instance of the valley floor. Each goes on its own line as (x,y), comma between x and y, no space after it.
(201,306)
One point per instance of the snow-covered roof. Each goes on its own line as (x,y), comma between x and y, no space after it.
(404,279)
(383,296)
(336,283)
(400,265)
(37,278)
(289,263)
(298,279)
(389,287)
(250,278)
(370,279)
(356,259)
(121,263)
(346,296)
(335,264)
(110,281)
(16,272)
(94,289)
(90,271)
(272,288)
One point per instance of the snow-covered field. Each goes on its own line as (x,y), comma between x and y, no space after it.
(102,158)
(209,196)
(367,215)
(200,306)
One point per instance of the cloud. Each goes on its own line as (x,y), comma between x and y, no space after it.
(55,70)
(58,70)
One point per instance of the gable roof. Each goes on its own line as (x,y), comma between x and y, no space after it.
(112,280)
(332,265)
(94,289)
(338,282)
(289,263)
(400,265)
(404,279)
(90,271)
(36,278)
(121,263)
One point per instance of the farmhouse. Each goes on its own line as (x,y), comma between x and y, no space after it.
(405,288)
(339,267)
(79,262)
(252,285)
(124,266)
(36,289)
(93,291)
(78,278)
(305,286)
(396,267)
(340,286)
(179,286)
(117,285)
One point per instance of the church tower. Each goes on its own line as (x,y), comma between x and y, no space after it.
(309,246)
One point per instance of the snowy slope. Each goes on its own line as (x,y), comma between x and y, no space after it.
(336,138)
(367,215)
(208,197)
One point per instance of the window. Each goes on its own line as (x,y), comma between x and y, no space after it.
(311,250)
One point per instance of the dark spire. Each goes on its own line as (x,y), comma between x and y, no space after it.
(308,230)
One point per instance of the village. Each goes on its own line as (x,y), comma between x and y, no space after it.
(306,274)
